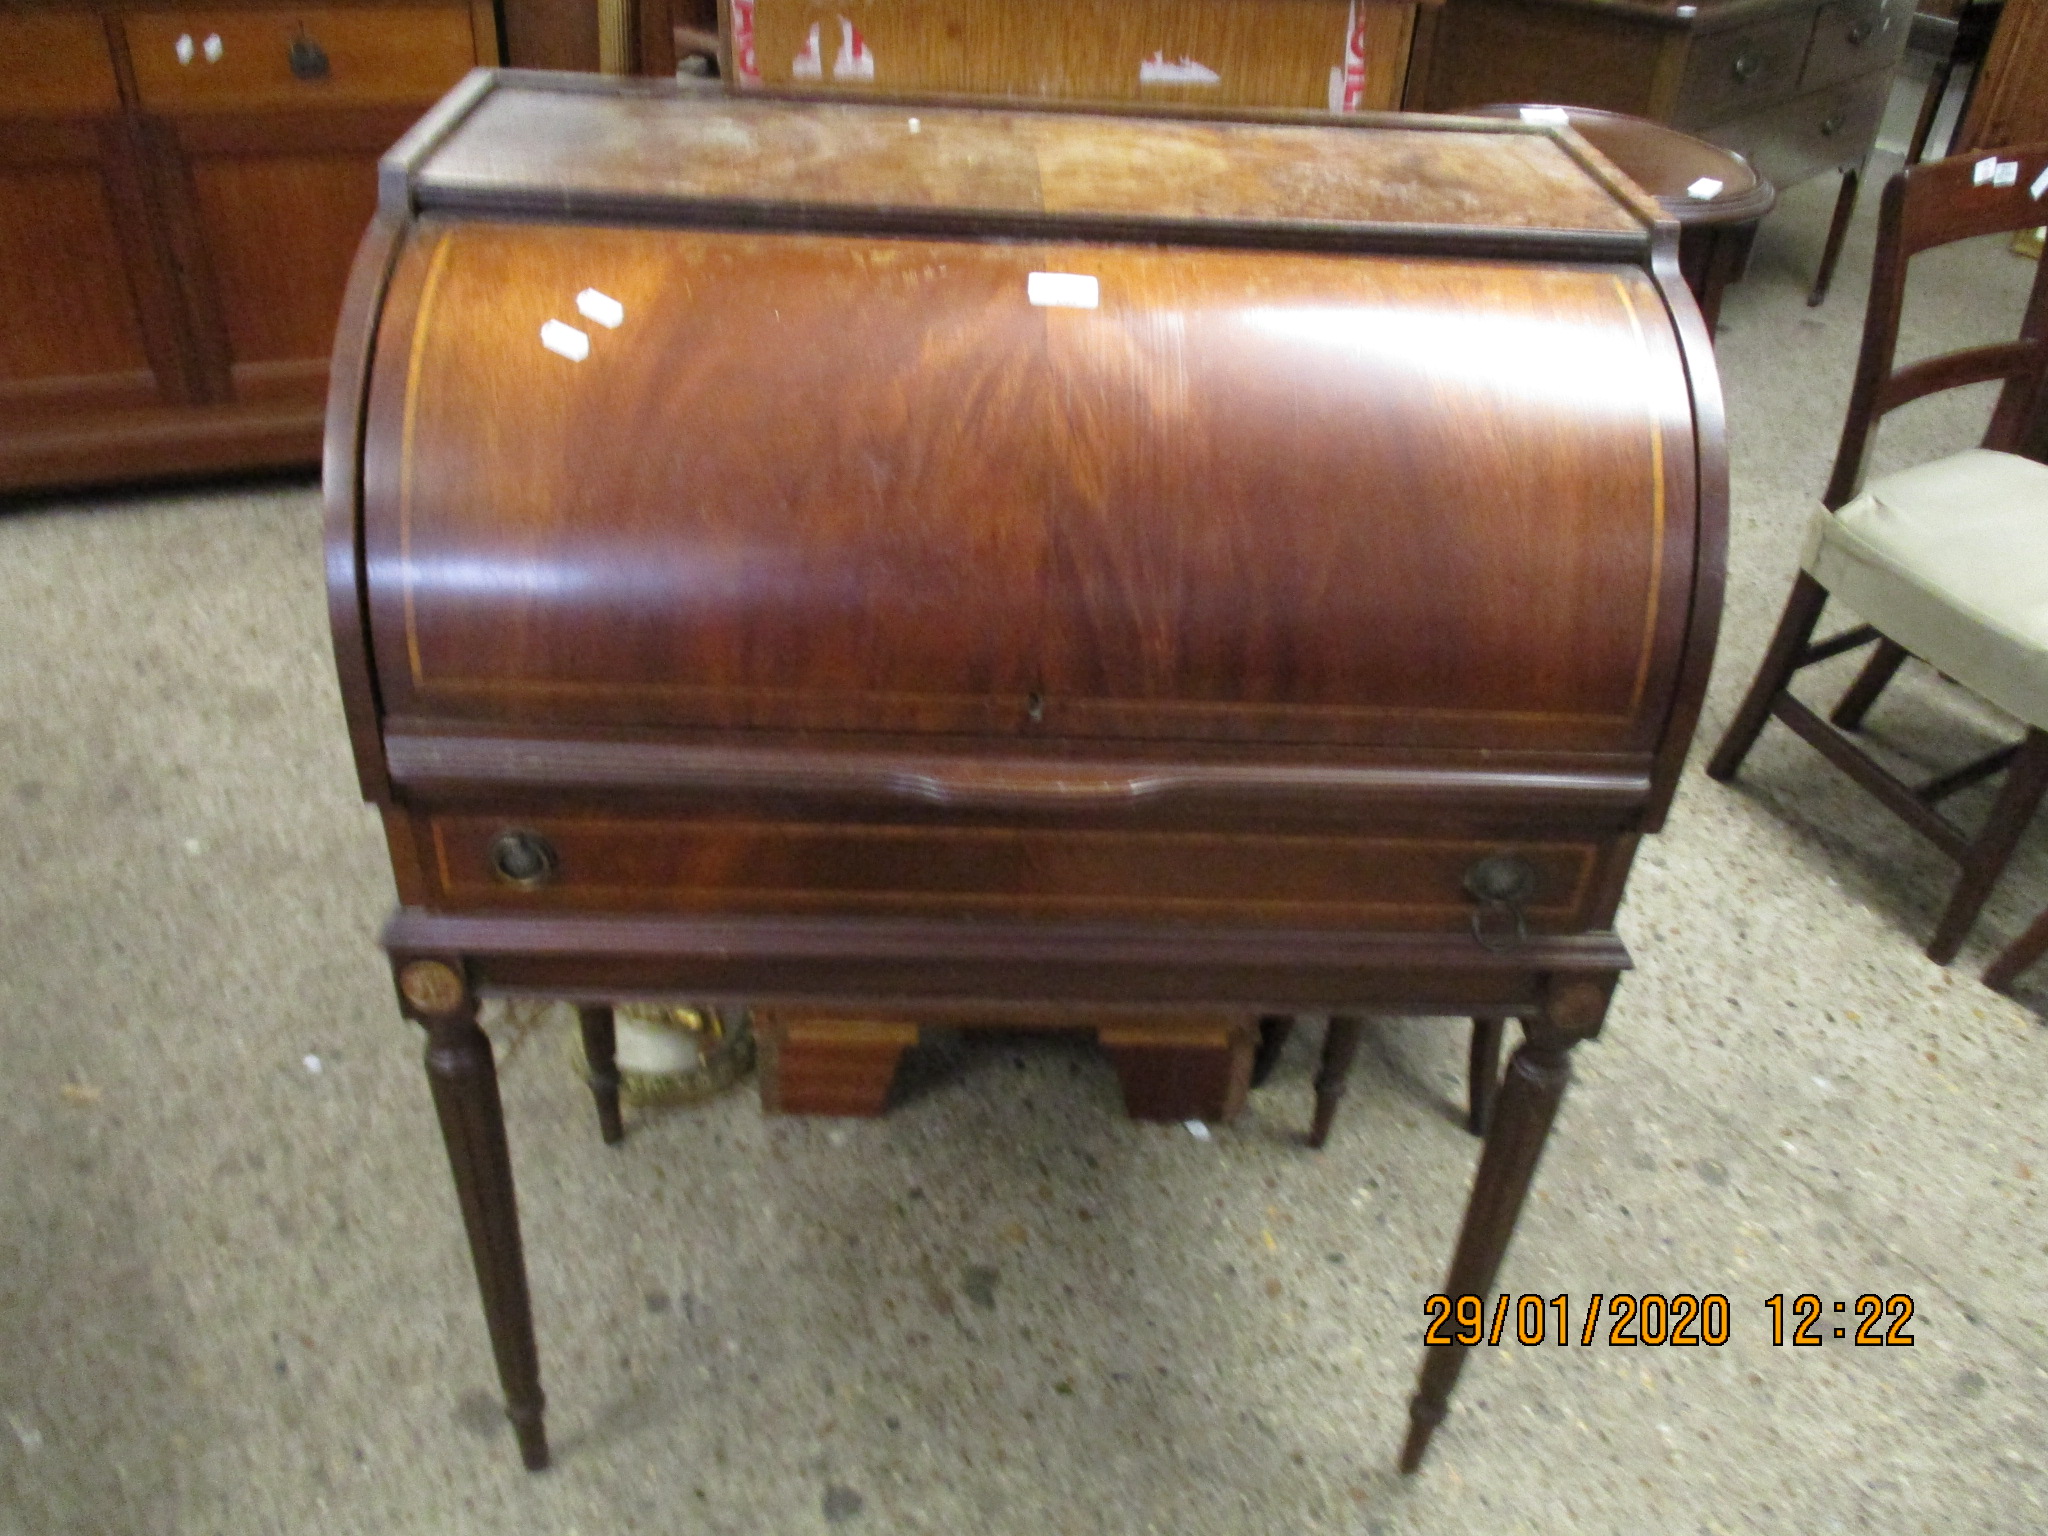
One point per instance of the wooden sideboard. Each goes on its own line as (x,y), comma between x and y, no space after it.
(185,187)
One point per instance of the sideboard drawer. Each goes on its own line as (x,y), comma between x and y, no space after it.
(1810,134)
(196,60)
(878,869)
(1851,36)
(1731,72)
(55,65)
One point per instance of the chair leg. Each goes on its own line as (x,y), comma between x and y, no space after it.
(2018,955)
(1482,1078)
(1795,629)
(1882,667)
(600,1055)
(1985,858)
(1339,1046)
(1274,1028)
(1930,108)
(1845,205)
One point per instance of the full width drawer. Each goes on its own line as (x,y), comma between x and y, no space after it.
(1741,69)
(1816,132)
(55,66)
(1851,36)
(197,60)
(810,867)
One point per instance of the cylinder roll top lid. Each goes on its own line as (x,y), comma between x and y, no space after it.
(1294,465)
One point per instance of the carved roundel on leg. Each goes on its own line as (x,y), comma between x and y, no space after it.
(432,986)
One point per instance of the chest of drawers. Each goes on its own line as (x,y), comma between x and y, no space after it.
(1797,88)
(846,554)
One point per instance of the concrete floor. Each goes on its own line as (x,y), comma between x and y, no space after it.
(236,1297)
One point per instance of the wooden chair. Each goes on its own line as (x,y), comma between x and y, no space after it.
(1340,1044)
(1946,561)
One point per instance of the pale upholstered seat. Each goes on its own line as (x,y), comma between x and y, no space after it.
(1946,561)
(1950,560)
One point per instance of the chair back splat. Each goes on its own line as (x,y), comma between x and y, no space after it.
(1929,205)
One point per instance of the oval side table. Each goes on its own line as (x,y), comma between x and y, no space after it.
(1715,230)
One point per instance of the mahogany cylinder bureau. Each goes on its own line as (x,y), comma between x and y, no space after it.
(879,555)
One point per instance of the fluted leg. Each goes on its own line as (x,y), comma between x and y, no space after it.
(1339,1046)
(464,1079)
(600,1055)
(1534,1087)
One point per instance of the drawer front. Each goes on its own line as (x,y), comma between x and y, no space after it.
(192,60)
(1743,68)
(1820,131)
(55,66)
(1853,36)
(1389,883)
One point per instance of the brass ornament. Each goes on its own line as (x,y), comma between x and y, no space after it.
(431,986)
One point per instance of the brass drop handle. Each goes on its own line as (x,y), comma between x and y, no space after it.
(308,59)
(1831,125)
(1746,65)
(1501,883)
(524,859)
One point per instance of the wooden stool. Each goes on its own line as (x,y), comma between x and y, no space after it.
(1716,230)
(1195,1067)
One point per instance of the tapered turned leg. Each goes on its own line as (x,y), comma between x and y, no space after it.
(1985,858)
(1274,1028)
(464,1078)
(1845,205)
(1882,667)
(601,1057)
(1339,1046)
(1482,1077)
(2018,955)
(1795,628)
(1535,1084)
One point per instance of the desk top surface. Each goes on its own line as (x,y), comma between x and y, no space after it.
(577,147)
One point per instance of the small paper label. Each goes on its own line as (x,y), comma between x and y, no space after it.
(1063,290)
(854,62)
(746,63)
(1704,189)
(1347,79)
(565,341)
(2039,189)
(1553,117)
(2007,174)
(601,307)
(1160,70)
(1983,170)
(810,64)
